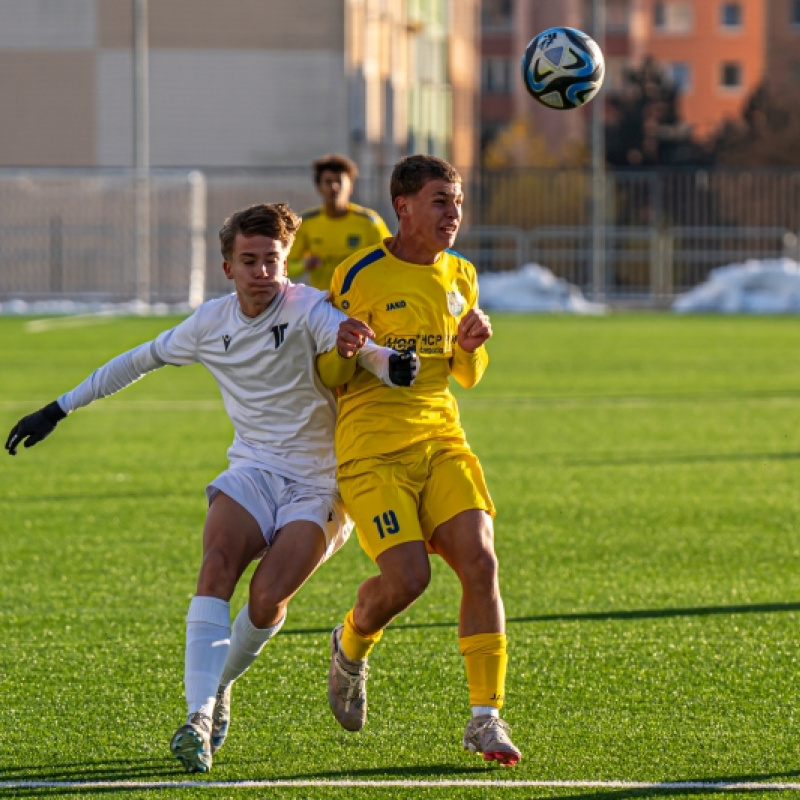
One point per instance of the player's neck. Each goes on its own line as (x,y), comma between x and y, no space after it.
(337,211)
(411,251)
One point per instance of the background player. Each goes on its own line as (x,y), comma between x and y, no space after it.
(406,473)
(278,499)
(336,229)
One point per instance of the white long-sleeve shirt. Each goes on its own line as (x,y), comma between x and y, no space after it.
(282,414)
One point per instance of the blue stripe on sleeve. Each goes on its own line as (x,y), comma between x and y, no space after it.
(368,259)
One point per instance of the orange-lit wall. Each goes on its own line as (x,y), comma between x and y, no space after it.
(705,48)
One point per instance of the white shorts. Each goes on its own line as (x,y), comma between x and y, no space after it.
(274,501)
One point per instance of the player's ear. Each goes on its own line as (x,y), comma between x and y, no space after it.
(226,268)
(399,204)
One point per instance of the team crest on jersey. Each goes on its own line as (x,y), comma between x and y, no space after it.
(456,303)
(226,340)
(353,240)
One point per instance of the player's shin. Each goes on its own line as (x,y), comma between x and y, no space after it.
(485,659)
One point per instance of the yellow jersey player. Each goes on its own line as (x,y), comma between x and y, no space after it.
(406,473)
(336,229)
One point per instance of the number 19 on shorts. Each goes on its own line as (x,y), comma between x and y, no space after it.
(386,523)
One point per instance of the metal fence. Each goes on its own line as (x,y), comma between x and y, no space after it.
(72,234)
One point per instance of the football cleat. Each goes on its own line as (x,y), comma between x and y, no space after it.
(490,736)
(220,720)
(191,743)
(347,686)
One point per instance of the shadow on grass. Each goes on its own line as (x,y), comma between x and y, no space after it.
(596,616)
(724,786)
(149,771)
(124,769)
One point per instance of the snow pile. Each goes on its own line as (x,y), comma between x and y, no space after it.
(71,307)
(532,288)
(771,286)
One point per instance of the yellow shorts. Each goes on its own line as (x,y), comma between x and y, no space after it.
(404,496)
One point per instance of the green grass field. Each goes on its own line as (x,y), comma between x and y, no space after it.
(645,470)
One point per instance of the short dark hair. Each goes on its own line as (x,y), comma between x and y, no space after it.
(411,173)
(275,220)
(335,162)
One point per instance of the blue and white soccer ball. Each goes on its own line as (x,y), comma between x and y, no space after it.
(563,68)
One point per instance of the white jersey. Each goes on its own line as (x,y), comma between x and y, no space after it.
(281,412)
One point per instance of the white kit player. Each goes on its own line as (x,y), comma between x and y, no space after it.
(275,349)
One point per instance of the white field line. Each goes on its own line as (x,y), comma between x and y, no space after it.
(60,323)
(345,783)
(627,402)
(126,405)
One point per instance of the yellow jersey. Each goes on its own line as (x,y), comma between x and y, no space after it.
(333,239)
(414,306)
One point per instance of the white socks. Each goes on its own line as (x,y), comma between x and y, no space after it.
(480,711)
(208,625)
(247,642)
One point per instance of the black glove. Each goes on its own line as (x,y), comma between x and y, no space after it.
(34,427)
(403,367)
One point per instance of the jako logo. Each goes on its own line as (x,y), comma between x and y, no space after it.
(395,306)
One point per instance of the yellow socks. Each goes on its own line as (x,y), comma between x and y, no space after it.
(355,645)
(486,659)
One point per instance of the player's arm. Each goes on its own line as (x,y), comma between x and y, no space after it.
(295,265)
(470,357)
(354,348)
(338,365)
(121,371)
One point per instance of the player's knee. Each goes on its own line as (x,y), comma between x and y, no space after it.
(410,584)
(481,568)
(218,574)
(265,609)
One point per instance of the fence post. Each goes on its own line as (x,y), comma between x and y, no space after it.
(56,255)
(197,230)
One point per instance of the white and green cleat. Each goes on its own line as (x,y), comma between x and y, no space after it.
(221,719)
(191,743)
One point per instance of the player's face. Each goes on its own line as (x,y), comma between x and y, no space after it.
(258,269)
(335,188)
(433,215)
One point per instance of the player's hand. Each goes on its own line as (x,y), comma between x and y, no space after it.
(403,367)
(35,427)
(353,334)
(312,262)
(474,329)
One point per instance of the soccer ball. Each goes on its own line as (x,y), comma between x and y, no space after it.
(563,68)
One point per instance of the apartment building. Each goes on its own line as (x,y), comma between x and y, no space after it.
(239,84)
(506,28)
(716,51)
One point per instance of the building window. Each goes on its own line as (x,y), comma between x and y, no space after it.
(731,75)
(730,15)
(680,75)
(497,15)
(673,16)
(496,75)
(794,10)
(618,15)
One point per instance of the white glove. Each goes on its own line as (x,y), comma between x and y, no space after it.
(393,367)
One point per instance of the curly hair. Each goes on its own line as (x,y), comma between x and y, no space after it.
(275,220)
(335,162)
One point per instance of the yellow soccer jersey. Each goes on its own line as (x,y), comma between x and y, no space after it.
(333,239)
(407,305)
